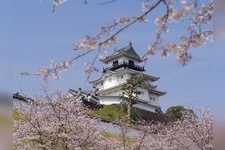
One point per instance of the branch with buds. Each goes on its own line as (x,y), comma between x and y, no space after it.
(199,32)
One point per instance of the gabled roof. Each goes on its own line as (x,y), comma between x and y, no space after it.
(118,88)
(127,51)
(122,71)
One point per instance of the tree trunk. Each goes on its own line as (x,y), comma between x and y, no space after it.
(129,109)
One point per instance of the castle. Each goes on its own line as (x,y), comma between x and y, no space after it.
(122,65)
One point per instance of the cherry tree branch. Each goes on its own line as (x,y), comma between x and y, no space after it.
(176,11)
(132,22)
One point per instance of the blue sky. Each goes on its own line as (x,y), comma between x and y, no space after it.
(31,36)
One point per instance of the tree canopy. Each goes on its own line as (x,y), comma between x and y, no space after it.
(177,112)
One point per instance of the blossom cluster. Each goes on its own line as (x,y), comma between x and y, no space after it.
(58,121)
(54,70)
(197,35)
(197,16)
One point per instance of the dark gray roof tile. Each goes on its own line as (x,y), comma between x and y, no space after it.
(125,51)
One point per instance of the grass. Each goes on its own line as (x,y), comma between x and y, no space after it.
(113,113)
(109,113)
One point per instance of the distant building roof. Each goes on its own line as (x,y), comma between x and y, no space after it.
(125,51)
(89,98)
(19,97)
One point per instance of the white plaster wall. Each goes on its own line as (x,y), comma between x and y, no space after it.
(116,80)
(122,80)
(127,60)
(121,60)
(110,63)
(144,95)
(156,101)
(114,93)
(107,100)
(110,81)
(98,85)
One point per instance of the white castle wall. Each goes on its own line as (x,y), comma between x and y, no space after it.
(107,100)
(113,96)
(111,81)
(145,96)
(121,60)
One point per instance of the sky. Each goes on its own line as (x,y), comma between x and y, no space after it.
(31,36)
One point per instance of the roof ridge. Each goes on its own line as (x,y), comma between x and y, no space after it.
(124,48)
(128,50)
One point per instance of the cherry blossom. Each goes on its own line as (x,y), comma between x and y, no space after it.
(196,15)
(58,121)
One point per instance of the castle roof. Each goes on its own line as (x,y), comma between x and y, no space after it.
(127,51)
(118,87)
(122,71)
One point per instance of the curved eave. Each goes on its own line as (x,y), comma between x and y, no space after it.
(156,92)
(135,58)
(108,58)
(149,86)
(117,87)
(104,74)
(102,77)
(152,78)
(97,80)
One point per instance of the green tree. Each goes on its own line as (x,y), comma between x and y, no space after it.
(130,92)
(176,112)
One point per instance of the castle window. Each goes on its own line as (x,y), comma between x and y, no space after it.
(115,63)
(131,63)
(152,98)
